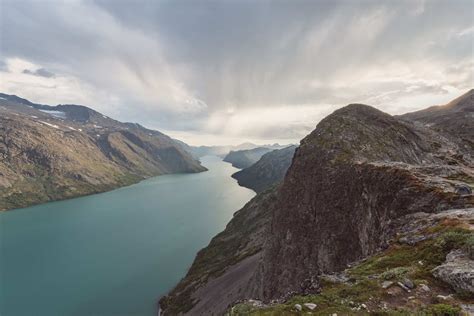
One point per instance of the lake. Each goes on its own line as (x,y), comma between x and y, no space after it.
(113,253)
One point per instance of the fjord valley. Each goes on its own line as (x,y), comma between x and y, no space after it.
(374,215)
(236,158)
(55,152)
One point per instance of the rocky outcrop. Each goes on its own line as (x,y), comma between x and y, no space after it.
(268,171)
(398,279)
(358,171)
(245,158)
(457,270)
(356,174)
(51,153)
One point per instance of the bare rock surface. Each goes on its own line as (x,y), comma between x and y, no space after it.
(458,271)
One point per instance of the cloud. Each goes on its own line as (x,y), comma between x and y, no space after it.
(39,72)
(248,69)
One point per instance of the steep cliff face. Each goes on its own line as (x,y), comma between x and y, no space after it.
(351,178)
(359,170)
(50,153)
(268,171)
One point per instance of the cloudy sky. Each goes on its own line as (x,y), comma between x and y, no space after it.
(225,72)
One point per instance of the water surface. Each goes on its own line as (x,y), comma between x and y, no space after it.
(113,253)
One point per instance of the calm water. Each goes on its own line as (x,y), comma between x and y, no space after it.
(113,253)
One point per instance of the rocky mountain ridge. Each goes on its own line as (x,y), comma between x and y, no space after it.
(356,174)
(55,152)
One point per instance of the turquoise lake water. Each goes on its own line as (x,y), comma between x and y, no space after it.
(113,253)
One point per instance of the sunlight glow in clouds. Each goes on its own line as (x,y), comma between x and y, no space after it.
(232,71)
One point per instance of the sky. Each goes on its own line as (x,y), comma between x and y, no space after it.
(230,71)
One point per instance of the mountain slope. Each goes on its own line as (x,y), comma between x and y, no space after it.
(453,120)
(351,178)
(222,151)
(267,171)
(245,158)
(50,153)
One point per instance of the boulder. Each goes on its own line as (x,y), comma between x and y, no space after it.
(400,284)
(424,288)
(457,271)
(310,306)
(408,283)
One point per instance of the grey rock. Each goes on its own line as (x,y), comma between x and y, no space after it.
(467,308)
(310,306)
(425,288)
(412,240)
(400,284)
(457,270)
(298,307)
(310,286)
(386,284)
(336,277)
(408,283)
(444,297)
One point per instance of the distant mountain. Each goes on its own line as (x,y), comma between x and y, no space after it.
(245,158)
(331,232)
(269,170)
(56,152)
(222,151)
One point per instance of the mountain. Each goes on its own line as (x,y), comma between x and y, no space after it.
(245,158)
(222,151)
(354,187)
(56,152)
(269,170)
(453,120)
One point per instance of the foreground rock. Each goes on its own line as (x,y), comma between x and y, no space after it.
(268,171)
(397,280)
(458,271)
(352,183)
(50,153)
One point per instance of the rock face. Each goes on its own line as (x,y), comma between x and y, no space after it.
(50,153)
(245,158)
(268,171)
(458,271)
(358,172)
